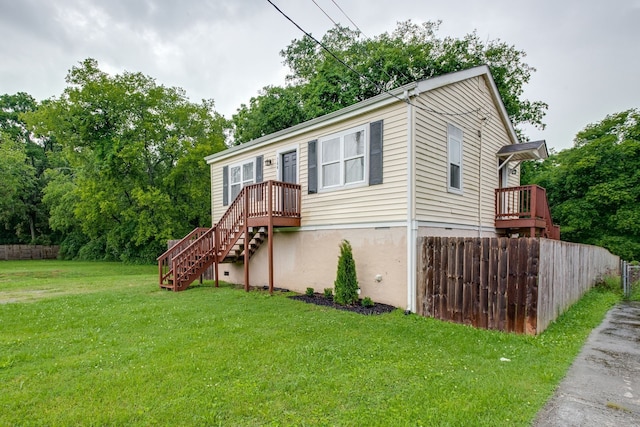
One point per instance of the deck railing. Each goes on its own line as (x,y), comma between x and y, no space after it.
(525,202)
(164,260)
(260,204)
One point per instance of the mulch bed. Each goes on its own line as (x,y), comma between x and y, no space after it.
(319,299)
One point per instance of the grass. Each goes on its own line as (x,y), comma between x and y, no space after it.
(99,343)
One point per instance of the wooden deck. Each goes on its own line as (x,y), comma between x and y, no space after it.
(524,210)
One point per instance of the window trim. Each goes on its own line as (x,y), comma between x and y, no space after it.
(242,178)
(460,141)
(365,156)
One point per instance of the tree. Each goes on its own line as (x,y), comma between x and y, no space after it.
(322,83)
(28,222)
(346,284)
(131,173)
(594,187)
(17,179)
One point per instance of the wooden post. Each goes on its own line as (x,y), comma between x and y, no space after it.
(270,235)
(215,253)
(245,216)
(532,207)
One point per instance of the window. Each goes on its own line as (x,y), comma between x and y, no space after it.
(454,176)
(342,159)
(240,176)
(351,158)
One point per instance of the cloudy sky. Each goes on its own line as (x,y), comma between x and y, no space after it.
(586,52)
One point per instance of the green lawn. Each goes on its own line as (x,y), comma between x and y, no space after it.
(100,344)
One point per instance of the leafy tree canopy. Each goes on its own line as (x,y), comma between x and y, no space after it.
(130,174)
(594,187)
(26,220)
(319,83)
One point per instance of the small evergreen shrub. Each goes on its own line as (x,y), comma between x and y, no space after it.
(367,302)
(309,292)
(328,293)
(346,284)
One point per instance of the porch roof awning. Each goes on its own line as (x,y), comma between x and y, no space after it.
(536,150)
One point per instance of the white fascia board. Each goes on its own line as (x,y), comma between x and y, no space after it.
(482,70)
(386,98)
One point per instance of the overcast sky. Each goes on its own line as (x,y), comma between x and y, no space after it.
(587,53)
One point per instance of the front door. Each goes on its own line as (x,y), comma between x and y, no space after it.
(289,162)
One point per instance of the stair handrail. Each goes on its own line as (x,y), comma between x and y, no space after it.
(552,230)
(190,256)
(189,261)
(163,260)
(229,224)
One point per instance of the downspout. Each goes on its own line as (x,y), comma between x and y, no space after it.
(483,123)
(411,223)
(480,183)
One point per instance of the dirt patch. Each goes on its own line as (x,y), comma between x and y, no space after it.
(9,297)
(319,299)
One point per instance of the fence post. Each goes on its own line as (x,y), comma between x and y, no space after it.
(625,279)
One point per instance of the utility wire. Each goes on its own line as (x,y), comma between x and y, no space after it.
(319,43)
(350,20)
(326,14)
(381,89)
(342,30)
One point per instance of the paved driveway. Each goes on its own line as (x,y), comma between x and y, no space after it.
(602,387)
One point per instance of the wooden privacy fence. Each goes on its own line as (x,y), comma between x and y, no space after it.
(513,285)
(24,252)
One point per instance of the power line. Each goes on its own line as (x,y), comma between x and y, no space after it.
(326,14)
(342,30)
(350,20)
(319,43)
(381,89)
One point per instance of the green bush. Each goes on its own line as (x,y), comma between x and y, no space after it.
(328,293)
(610,284)
(367,302)
(309,292)
(346,284)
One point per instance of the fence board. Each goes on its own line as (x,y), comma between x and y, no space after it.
(514,285)
(27,252)
(567,271)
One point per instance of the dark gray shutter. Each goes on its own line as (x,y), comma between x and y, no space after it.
(259,163)
(312,176)
(375,153)
(225,186)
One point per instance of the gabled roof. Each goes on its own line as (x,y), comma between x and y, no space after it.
(535,150)
(399,94)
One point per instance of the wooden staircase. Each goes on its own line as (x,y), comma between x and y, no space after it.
(245,226)
(524,211)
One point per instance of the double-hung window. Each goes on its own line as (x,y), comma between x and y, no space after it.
(240,175)
(343,159)
(454,148)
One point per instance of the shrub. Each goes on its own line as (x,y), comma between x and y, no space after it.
(367,302)
(328,293)
(309,292)
(346,284)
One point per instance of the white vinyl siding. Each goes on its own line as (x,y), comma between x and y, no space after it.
(343,159)
(353,204)
(435,203)
(454,143)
